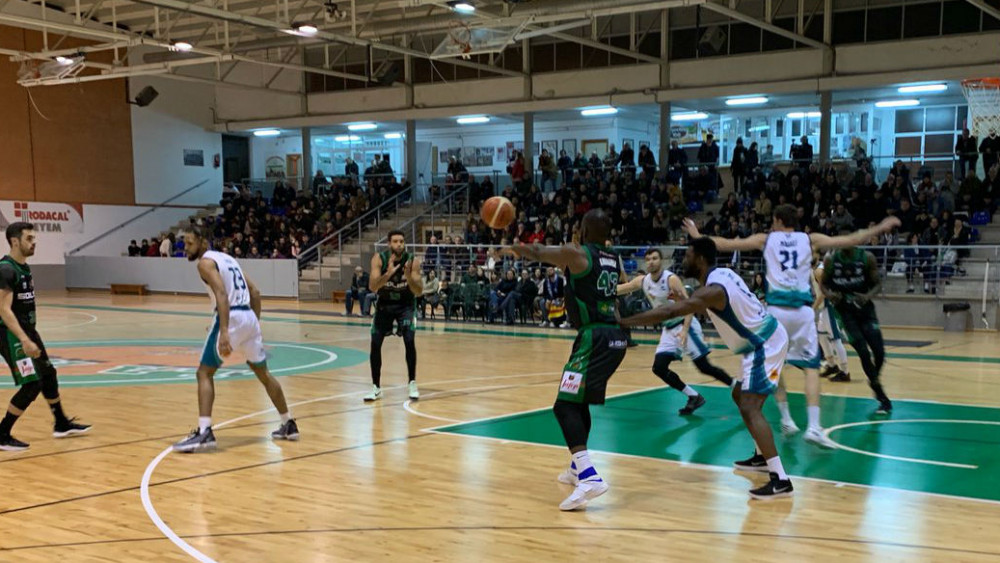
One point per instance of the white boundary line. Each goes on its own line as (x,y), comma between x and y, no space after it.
(93,319)
(905,421)
(147,475)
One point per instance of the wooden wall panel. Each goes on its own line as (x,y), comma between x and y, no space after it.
(17,179)
(81,150)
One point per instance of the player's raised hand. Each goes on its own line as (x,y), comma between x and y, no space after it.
(889,223)
(691,228)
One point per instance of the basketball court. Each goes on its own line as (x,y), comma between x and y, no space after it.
(468,471)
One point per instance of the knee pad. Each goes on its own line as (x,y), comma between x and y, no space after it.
(26,395)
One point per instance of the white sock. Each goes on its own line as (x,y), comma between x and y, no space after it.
(687,390)
(286,417)
(785,415)
(838,345)
(204,423)
(813,413)
(774,466)
(584,468)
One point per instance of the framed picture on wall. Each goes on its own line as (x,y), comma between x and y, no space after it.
(552,147)
(194,157)
(629,142)
(599,146)
(569,145)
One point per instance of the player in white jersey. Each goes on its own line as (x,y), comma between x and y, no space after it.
(236,328)
(748,330)
(790,298)
(680,335)
(830,335)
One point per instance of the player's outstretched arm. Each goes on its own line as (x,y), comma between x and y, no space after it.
(569,256)
(752,242)
(635,284)
(857,238)
(710,297)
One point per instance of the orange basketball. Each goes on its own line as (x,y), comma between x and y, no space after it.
(497,212)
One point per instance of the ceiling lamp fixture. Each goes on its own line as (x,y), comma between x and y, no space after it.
(393,135)
(472,119)
(922,88)
(603,110)
(463,7)
(303,30)
(362,127)
(897,103)
(347,138)
(181,46)
(689,116)
(266,133)
(803,114)
(747,101)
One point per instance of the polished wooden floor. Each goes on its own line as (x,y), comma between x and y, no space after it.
(367,483)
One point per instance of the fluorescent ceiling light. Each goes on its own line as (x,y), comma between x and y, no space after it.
(748,101)
(607,110)
(393,135)
(473,119)
(347,138)
(760,128)
(65,61)
(897,103)
(801,114)
(362,127)
(922,88)
(302,29)
(266,133)
(689,116)
(182,46)
(464,8)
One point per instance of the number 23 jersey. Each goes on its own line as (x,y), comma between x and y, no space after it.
(232,279)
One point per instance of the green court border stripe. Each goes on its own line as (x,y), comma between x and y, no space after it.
(516,334)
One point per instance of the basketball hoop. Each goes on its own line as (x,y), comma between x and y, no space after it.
(461,37)
(983,95)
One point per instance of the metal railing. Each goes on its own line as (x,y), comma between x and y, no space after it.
(374,216)
(119,226)
(445,208)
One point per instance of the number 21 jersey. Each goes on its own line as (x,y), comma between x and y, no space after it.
(788,263)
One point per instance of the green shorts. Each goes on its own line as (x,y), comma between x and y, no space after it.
(597,353)
(23,368)
(394,319)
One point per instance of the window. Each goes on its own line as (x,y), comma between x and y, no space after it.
(909,121)
(940,119)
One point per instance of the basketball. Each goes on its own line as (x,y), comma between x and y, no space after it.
(497,212)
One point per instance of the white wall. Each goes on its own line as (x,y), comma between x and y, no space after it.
(180,118)
(263,148)
(274,278)
(99,219)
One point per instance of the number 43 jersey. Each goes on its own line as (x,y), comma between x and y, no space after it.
(788,263)
(592,294)
(232,279)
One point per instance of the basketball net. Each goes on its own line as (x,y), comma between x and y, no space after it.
(983,95)
(28,70)
(461,37)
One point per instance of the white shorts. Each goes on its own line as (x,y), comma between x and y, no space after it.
(828,325)
(800,323)
(670,341)
(244,336)
(762,367)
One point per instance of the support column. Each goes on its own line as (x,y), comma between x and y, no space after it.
(407,76)
(825,121)
(529,140)
(664,135)
(665,49)
(307,161)
(410,148)
(526,68)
